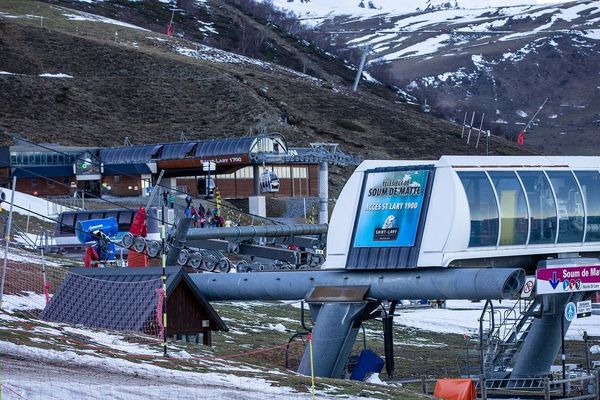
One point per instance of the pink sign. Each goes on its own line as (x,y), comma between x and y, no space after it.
(568,279)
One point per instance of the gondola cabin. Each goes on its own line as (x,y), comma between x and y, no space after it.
(269,182)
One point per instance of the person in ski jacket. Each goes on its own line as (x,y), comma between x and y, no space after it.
(195,219)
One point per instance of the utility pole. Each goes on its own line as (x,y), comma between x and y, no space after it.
(535,115)
(361,67)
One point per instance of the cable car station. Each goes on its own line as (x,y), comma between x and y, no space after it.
(240,167)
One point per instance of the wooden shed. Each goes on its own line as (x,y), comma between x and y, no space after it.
(127,299)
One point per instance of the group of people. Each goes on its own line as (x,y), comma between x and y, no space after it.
(168,199)
(202,217)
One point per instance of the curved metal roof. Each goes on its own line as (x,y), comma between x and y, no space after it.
(223,147)
(175,151)
(198,149)
(130,154)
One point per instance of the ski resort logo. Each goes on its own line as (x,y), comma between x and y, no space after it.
(389,222)
(387,231)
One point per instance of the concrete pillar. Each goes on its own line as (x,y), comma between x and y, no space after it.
(361,66)
(323,193)
(257,205)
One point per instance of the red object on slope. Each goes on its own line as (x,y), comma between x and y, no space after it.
(521,137)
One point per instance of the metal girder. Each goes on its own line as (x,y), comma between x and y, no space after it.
(313,155)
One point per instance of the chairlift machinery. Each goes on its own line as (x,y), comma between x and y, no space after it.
(455,228)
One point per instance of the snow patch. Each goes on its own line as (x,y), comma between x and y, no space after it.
(375,379)
(427,46)
(59,75)
(277,327)
(521,113)
(112,341)
(25,301)
(593,34)
(370,78)
(184,383)
(462,317)
(82,16)
(26,204)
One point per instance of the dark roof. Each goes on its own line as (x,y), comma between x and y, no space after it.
(174,151)
(126,169)
(224,147)
(177,150)
(126,306)
(130,154)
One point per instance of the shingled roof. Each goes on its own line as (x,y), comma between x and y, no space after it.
(123,299)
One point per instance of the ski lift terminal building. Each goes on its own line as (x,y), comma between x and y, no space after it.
(236,166)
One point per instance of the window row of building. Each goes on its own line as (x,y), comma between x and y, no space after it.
(282,172)
(42,158)
(532,207)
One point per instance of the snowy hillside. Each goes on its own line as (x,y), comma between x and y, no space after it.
(368,8)
(501,58)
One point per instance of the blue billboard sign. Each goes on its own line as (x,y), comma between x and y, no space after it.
(390,209)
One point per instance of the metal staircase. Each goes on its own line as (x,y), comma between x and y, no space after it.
(502,334)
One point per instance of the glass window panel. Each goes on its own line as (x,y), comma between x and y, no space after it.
(513,208)
(541,206)
(109,214)
(300,172)
(124,221)
(570,206)
(590,186)
(482,207)
(67,224)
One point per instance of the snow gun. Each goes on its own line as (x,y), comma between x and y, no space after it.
(98,231)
